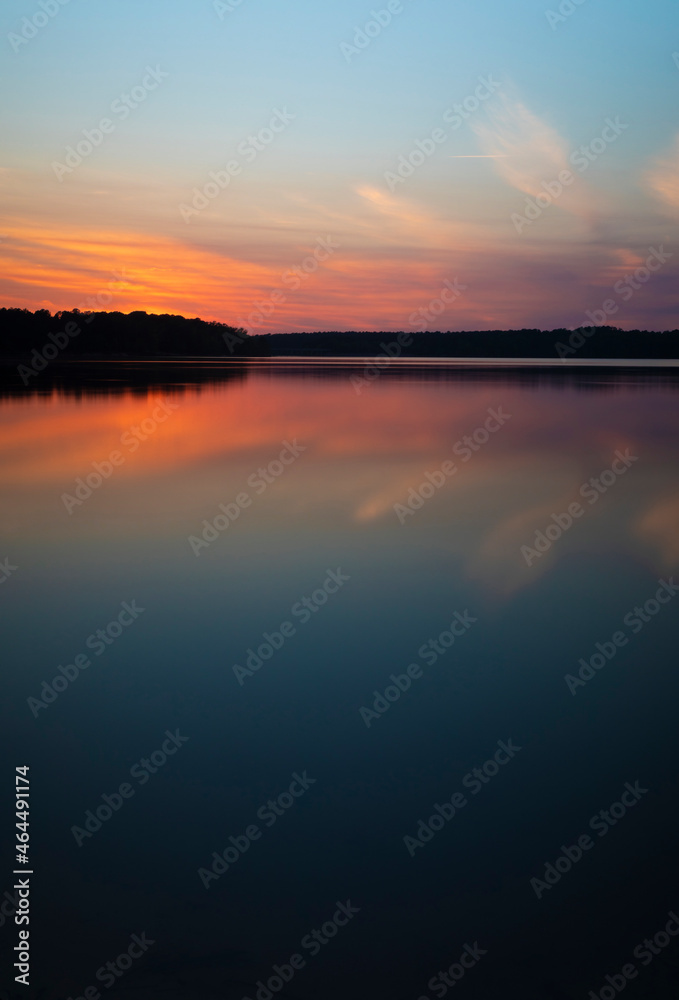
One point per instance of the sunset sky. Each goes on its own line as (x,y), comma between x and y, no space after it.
(118,217)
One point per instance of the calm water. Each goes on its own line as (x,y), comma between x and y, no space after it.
(372,529)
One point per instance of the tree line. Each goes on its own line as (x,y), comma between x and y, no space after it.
(115,334)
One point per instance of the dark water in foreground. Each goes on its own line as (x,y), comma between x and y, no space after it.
(357,535)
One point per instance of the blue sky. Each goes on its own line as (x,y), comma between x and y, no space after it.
(354,114)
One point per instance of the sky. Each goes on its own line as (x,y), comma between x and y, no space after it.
(330,166)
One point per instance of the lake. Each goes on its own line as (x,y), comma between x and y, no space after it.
(335,684)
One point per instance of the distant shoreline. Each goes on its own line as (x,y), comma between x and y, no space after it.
(35,340)
(593,343)
(350,359)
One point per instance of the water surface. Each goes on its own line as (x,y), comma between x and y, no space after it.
(175,452)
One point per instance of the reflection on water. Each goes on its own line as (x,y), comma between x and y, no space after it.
(108,474)
(93,378)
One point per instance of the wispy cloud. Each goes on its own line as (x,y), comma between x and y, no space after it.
(529,152)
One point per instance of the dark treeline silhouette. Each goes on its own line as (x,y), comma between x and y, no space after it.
(588,342)
(73,334)
(37,338)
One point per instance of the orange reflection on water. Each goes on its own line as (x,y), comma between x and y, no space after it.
(185,452)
